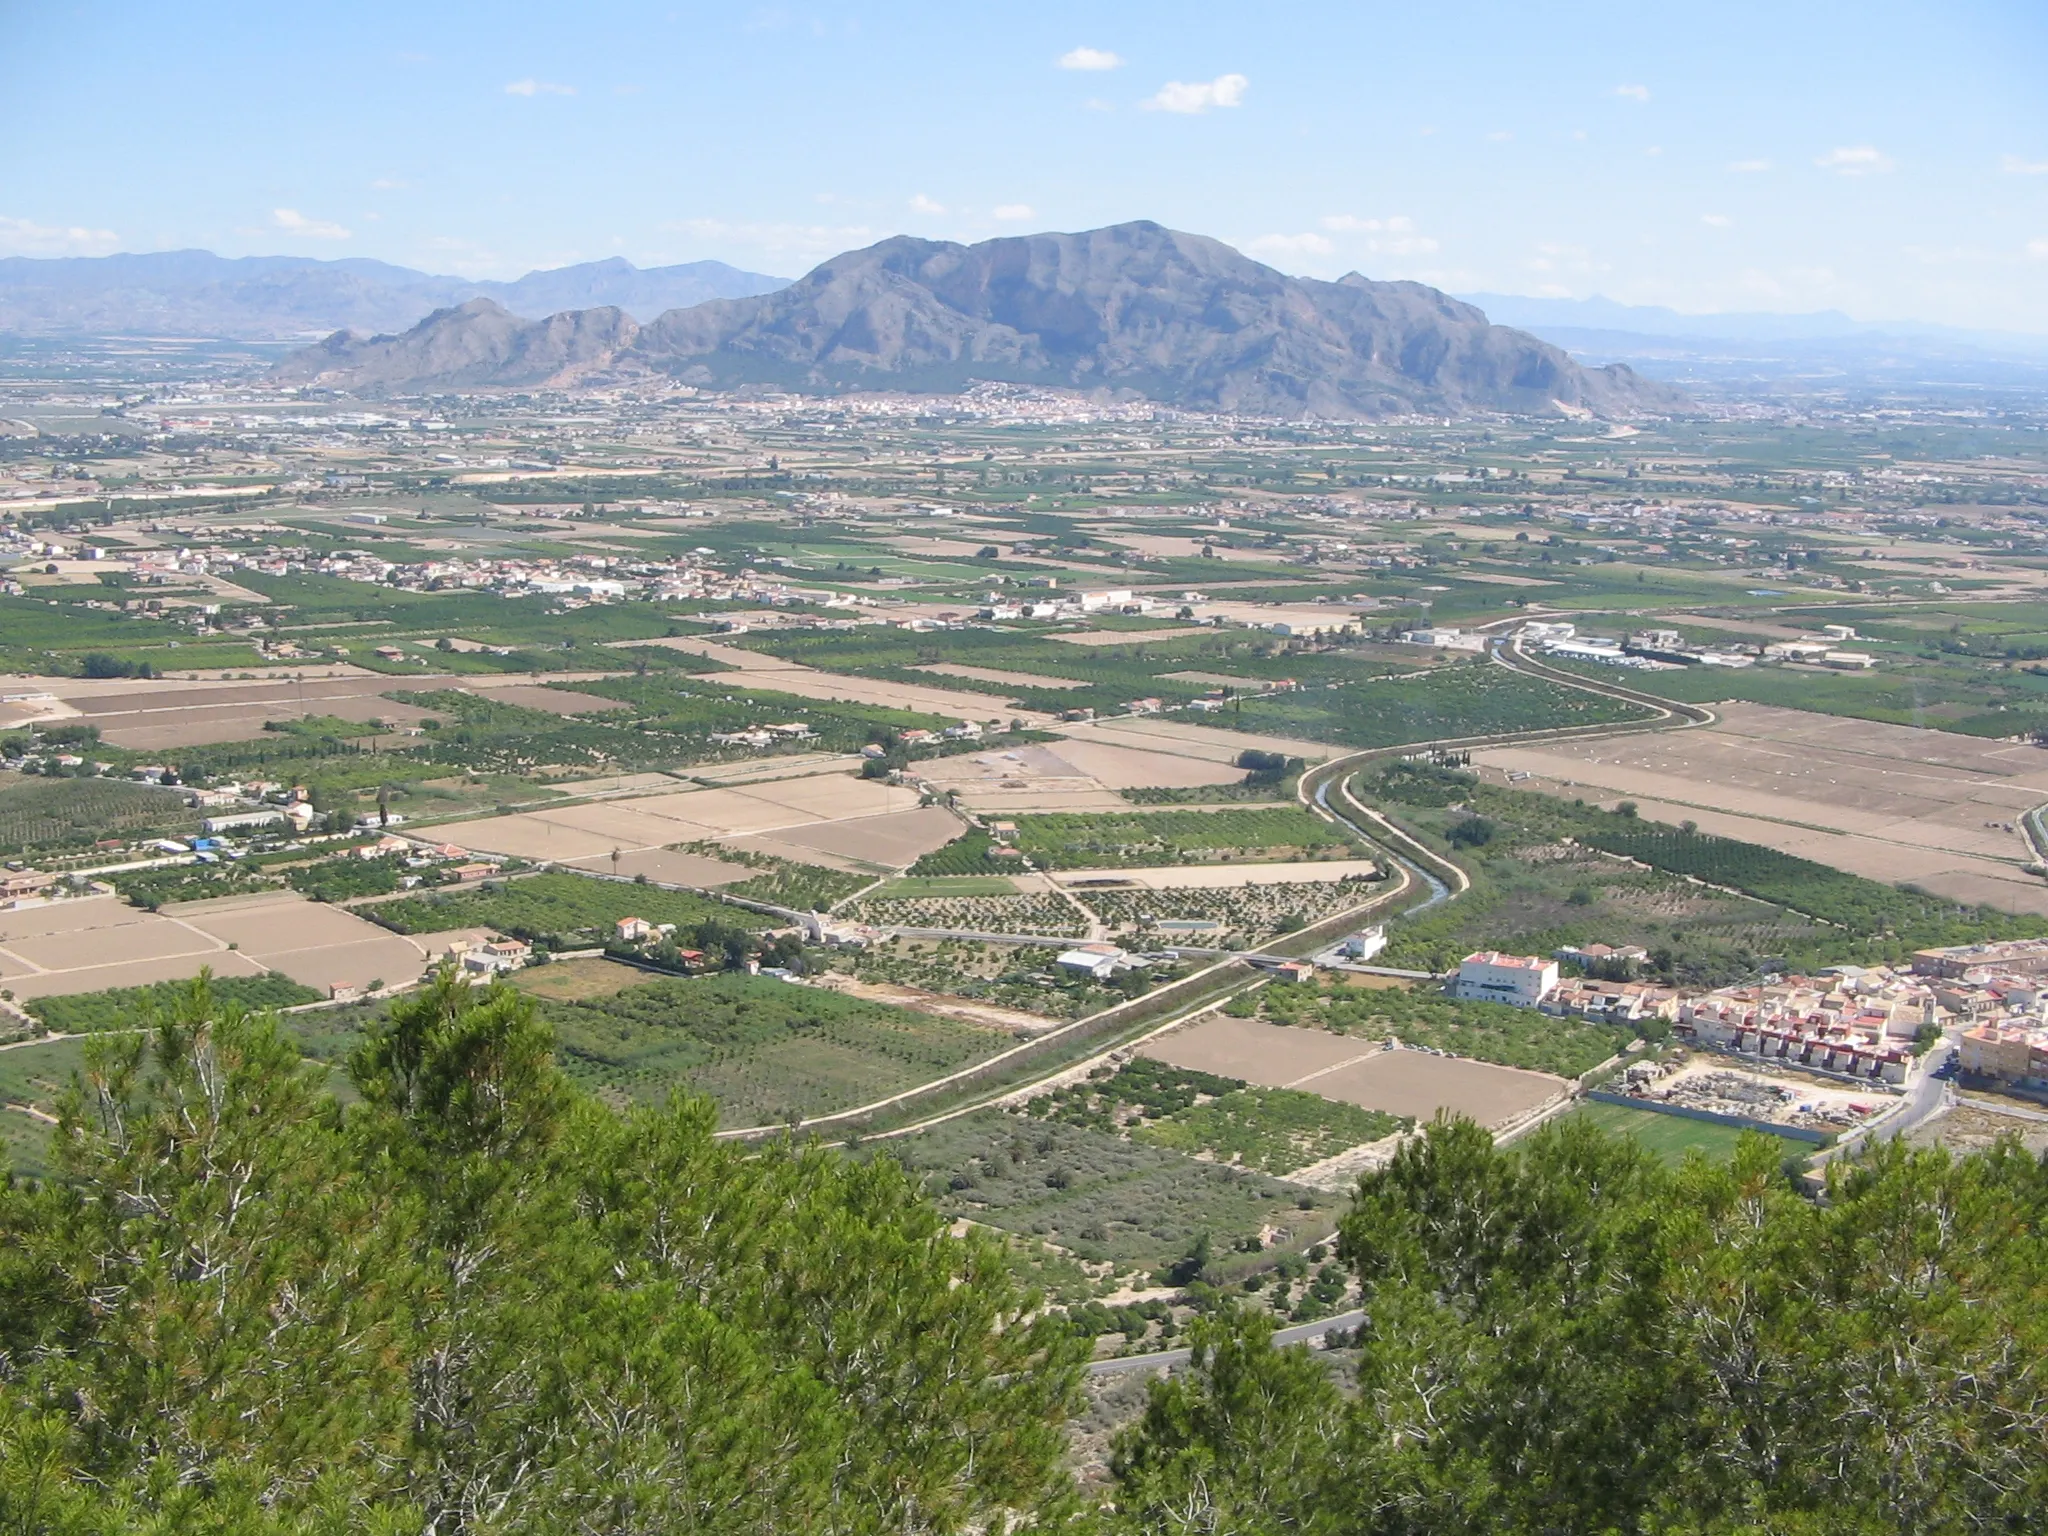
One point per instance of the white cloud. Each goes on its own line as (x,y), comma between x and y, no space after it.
(1090,58)
(390,184)
(25,237)
(1292,245)
(1749,167)
(1633,92)
(1654,150)
(538,88)
(1855,160)
(1194,96)
(2038,249)
(1394,236)
(1500,136)
(1717,220)
(2015,166)
(293,222)
(1010,213)
(923,204)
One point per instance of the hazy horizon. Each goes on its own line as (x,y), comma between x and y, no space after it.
(1889,161)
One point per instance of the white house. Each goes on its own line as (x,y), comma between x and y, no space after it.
(1096,960)
(1522,981)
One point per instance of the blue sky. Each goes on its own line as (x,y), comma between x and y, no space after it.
(1886,159)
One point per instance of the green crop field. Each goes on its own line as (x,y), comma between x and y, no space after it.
(38,1074)
(1098,1195)
(1272,1130)
(1446,703)
(764,1050)
(1673,1137)
(42,813)
(82,1013)
(1509,1037)
(911,887)
(1138,839)
(556,908)
(1093,840)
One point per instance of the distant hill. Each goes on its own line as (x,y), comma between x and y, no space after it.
(1779,353)
(260,298)
(1133,309)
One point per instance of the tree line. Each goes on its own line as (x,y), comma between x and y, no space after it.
(473,1299)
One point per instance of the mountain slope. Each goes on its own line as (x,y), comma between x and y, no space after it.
(471,345)
(1134,309)
(268,297)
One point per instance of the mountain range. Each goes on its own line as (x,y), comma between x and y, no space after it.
(269,298)
(1133,310)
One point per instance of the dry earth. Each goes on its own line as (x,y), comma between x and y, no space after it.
(92,943)
(1352,1071)
(1885,801)
(772,674)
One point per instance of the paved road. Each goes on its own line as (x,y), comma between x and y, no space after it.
(1300,1333)
(1930,1094)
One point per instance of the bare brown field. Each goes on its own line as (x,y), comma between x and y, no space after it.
(795,766)
(177,712)
(1126,636)
(996,675)
(1888,802)
(649,823)
(774,675)
(984,1015)
(1503,579)
(892,841)
(1398,1082)
(1150,732)
(95,943)
(554,701)
(836,820)
(159,940)
(777,849)
(315,944)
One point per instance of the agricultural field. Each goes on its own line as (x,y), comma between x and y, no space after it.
(1243,915)
(82,1013)
(1424,1018)
(559,910)
(1444,703)
(780,882)
(765,1051)
(1020,977)
(830,819)
(42,814)
(1887,802)
(1222,1119)
(1414,1084)
(1148,839)
(1102,1197)
(578,981)
(1828,916)
(97,944)
(1144,839)
(1034,912)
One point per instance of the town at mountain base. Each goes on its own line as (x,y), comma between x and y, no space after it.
(1133,310)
